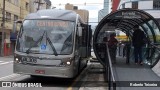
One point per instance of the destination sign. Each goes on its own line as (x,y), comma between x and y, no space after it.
(52,24)
(128,15)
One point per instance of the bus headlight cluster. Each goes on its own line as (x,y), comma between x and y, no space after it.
(25,60)
(17,60)
(66,61)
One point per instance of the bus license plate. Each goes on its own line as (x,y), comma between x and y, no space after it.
(40,71)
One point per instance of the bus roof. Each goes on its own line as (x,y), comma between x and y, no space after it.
(54,14)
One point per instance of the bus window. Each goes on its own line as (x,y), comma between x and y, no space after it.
(59,32)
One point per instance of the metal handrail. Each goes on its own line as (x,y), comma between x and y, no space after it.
(110,63)
(109,70)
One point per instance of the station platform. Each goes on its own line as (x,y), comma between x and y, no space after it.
(134,77)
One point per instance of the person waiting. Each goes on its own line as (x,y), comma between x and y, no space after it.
(112,44)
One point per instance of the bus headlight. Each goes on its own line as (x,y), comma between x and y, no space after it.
(17,60)
(66,61)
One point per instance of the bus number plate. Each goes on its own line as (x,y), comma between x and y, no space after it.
(40,71)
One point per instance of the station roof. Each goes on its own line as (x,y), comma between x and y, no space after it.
(125,20)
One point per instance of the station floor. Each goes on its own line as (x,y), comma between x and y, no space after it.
(134,77)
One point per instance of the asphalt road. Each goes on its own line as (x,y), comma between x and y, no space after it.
(91,78)
(6,65)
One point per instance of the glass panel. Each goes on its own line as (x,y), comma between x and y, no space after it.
(156,30)
(154,55)
(158,20)
(60,35)
(123,5)
(135,5)
(156,4)
(154,52)
(148,31)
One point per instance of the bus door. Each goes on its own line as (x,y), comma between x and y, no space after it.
(86,41)
(89,38)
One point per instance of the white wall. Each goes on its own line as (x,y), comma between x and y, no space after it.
(145,5)
(154,13)
(141,4)
(128,5)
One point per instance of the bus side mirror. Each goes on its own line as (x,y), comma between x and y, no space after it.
(15,25)
(80,31)
(18,21)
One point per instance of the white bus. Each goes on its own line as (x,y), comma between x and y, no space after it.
(52,43)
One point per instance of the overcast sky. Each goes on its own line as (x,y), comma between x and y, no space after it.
(93,6)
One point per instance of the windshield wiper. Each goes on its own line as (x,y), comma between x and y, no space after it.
(40,39)
(50,42)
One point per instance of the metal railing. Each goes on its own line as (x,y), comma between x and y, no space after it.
(108,66)
(109,70)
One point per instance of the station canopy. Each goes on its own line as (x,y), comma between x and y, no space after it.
(124,20)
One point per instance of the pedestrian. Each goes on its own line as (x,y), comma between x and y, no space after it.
(138,42)
(124,49)
(105,39)
(112,44)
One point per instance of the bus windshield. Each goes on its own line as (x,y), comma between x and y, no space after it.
(46,37)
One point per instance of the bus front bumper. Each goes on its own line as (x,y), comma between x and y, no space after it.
(52,71)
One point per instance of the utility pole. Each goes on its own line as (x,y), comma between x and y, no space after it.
(3,27)
(39,3)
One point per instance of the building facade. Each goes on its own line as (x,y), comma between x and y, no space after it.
(24,8)
(15,10)
(83,13)
(150,6)
(140,4)
(106,10)
(36,5)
